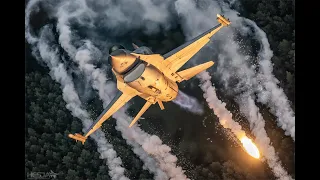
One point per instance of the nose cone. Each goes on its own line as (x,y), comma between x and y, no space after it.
(121,60)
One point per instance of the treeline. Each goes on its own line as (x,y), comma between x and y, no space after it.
(48,123)
(277,19)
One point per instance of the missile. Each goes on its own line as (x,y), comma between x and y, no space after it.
(78,137)
(223,20)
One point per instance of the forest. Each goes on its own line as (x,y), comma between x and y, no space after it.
(277,19)
(48,122)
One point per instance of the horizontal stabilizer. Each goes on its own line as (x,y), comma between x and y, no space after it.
(189,73)
(143,109)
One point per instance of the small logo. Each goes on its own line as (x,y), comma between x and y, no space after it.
(42,175)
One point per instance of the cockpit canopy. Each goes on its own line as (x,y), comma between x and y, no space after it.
(136,68)
(135,72)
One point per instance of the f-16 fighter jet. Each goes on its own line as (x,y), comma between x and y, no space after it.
(153,77)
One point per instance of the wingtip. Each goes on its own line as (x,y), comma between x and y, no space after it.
(78,137)
(223,20)
(131,124)
(210,63)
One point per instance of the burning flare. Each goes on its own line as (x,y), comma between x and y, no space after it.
(250,147)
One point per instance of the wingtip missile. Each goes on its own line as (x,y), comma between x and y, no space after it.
(224,21)
(78,137)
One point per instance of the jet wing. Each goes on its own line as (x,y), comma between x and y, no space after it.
(117,102)
(176,58)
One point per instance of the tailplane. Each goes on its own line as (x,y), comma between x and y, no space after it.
(189,73)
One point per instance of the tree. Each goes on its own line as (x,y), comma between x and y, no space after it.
(72,175)
(284,46)
(289,77)
(276,18)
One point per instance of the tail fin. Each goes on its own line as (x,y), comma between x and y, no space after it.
(135,46)
(189,73)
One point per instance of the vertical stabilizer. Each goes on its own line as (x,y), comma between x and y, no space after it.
(135,46)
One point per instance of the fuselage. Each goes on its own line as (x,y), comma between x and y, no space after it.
(142,76)
(154,83)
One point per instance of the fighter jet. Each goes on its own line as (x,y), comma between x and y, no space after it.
(153,77)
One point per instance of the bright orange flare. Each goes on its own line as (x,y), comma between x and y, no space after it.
(250,147)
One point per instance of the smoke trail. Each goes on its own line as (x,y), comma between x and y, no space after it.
(254,117)
(247,79)
(31,7)
(248,107)
(58,72)
(225,117)
(111,154)
(268,91)
(231,65)
(189,103)
(151,144)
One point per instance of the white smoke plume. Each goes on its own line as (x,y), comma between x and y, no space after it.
(58,72)
(151,144)
(232,64)
(225,117)
(237,64)
(162,153)
(32,6)
(250,110)
(255,119)
(188,102)
(268,91)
